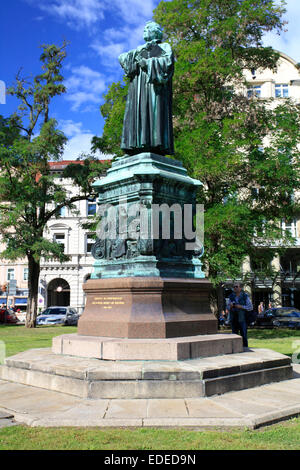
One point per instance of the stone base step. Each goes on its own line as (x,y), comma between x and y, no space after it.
(93,378)
(146,349)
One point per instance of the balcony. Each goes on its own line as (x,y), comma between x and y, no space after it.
(75,261)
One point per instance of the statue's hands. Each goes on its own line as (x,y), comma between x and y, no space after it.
(143,64)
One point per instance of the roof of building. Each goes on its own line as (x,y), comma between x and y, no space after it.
(60,165)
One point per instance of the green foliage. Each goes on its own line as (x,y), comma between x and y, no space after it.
(84,175)
(26,187)
(221,135)
(113,112)
(30,194)
(35,97)
(8,131)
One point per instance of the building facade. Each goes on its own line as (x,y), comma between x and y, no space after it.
(284,288)
(60,283)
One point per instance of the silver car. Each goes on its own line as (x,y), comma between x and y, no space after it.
(58,316)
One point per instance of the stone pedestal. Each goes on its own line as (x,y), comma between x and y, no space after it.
(92,378)
(160,349)
(147,308)
(147,206)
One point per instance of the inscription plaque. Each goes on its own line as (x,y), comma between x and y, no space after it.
(108,302)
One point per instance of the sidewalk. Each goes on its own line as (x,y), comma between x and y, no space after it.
(252,408)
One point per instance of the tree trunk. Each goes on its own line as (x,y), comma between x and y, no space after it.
(213,301)
(220,297)
(33,288)
(217,300)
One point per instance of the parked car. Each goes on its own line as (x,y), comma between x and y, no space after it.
(58,315)
(279,317)
(8,316)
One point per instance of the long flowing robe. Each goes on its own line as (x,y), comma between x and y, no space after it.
(148,114)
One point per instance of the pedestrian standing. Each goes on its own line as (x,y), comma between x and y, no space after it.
(240,303)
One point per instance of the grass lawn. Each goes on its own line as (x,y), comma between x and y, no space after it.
(17,338)
(282,340)
(282,436)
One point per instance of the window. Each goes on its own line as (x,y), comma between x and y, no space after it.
(254,91)
(25,274)
(22,292)
(90,240)
(290,226)
(60,239)
(257,192)
(10,274)
(62,212)
(91,207)
(290,263)
(282,91)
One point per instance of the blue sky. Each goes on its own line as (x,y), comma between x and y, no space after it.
(98,31)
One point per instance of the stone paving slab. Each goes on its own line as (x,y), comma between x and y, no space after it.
(210,408)
(126,408)
(252,408)
(248,408)
(168,408)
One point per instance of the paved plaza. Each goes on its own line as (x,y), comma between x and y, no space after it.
(252,408)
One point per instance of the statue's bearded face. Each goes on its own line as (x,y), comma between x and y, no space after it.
(149,34)
(152,32)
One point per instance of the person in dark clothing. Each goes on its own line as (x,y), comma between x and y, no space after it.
(240,303)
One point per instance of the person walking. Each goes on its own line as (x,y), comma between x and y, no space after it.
(240,303)
(261,307)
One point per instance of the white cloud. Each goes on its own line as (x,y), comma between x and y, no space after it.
(80,98)
(134,11)
(79,140)
(108,51)
(77,145)
(131,15)
(117,41)
(71,128)
(287,42)
(77,13)
(109,54)
(84,87)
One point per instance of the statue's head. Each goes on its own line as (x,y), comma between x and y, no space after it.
(152,31)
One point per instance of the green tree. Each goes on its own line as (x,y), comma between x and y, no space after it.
(245,151)
(113,112)
(29,192)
